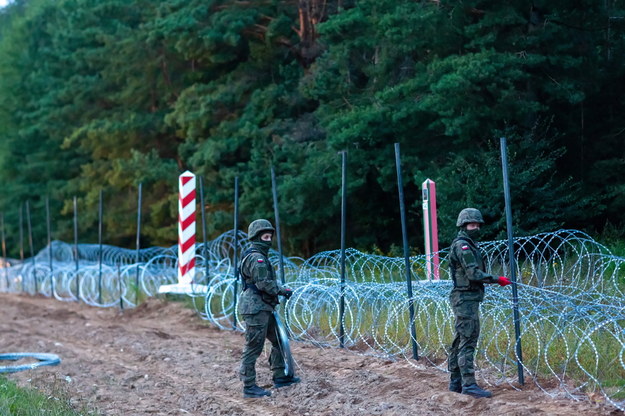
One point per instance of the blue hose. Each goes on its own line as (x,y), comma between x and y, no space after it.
(44,359)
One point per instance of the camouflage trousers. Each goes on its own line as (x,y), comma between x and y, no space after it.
(467,328)
(258,327)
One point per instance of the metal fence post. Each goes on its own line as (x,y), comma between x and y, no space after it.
(76,248)
(138,242)
(49,227)
(100,208)
(343,232)
(31,245)
(236,249)
(404,233)
(511,259)
(4,252)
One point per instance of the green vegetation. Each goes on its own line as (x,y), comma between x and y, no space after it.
(16,401)
(105,94)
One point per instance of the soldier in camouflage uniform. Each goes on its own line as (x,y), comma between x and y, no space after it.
(257,303)
(468,273)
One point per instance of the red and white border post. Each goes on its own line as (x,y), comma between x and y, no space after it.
(430,228)
(186,228)
(186,238)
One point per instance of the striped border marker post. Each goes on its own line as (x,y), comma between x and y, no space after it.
(186,228)
(186,239)
(430,228)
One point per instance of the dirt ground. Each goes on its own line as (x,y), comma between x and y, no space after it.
(161,359)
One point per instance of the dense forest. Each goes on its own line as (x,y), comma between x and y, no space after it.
(106,94)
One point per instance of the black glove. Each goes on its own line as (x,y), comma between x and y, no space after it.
(287,293)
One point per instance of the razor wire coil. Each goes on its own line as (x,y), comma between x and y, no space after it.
(570,301)
(42,359)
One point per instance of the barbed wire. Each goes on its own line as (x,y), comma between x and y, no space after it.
(570,301)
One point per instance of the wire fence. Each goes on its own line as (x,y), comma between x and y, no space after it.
(570,289)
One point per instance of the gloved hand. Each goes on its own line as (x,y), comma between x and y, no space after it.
(286,292)
(503,281)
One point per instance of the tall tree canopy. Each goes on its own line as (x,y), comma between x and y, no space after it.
(106,94)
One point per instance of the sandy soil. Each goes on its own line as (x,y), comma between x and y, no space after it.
(161,359)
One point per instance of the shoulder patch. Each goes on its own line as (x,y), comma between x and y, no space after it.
(260,260)
(465,247)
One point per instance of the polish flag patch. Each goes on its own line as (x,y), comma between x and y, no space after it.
(260,260)
(465,247)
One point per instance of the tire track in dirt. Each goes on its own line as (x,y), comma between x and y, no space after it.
(161,359)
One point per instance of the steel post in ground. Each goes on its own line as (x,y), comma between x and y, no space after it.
(121,287)
(276,212)
(100,208)
(404,233)
(76,248)
(21,233)
(49,227)
(138,242)
(205,238)
(204,230)
(4,251)
(236,250)
(343,232)
(511,259)
(31,245)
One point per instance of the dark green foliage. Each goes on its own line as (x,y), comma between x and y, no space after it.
(107,94)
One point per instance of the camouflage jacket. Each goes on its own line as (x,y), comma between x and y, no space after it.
(466,265)
(261,288)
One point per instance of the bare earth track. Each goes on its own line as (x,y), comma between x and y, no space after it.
(161,359)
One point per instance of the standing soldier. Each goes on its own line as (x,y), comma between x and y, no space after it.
(468,274)
(258,301)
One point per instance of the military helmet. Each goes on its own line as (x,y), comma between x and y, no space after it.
(469,215)
(257,227)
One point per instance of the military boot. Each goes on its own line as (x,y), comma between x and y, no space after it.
(455,385)
(255,391)
(285,381)
(475,391)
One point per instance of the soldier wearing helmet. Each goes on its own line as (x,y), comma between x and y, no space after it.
(466,265)
(258,300)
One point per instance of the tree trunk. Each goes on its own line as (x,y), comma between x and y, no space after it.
(311,13)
